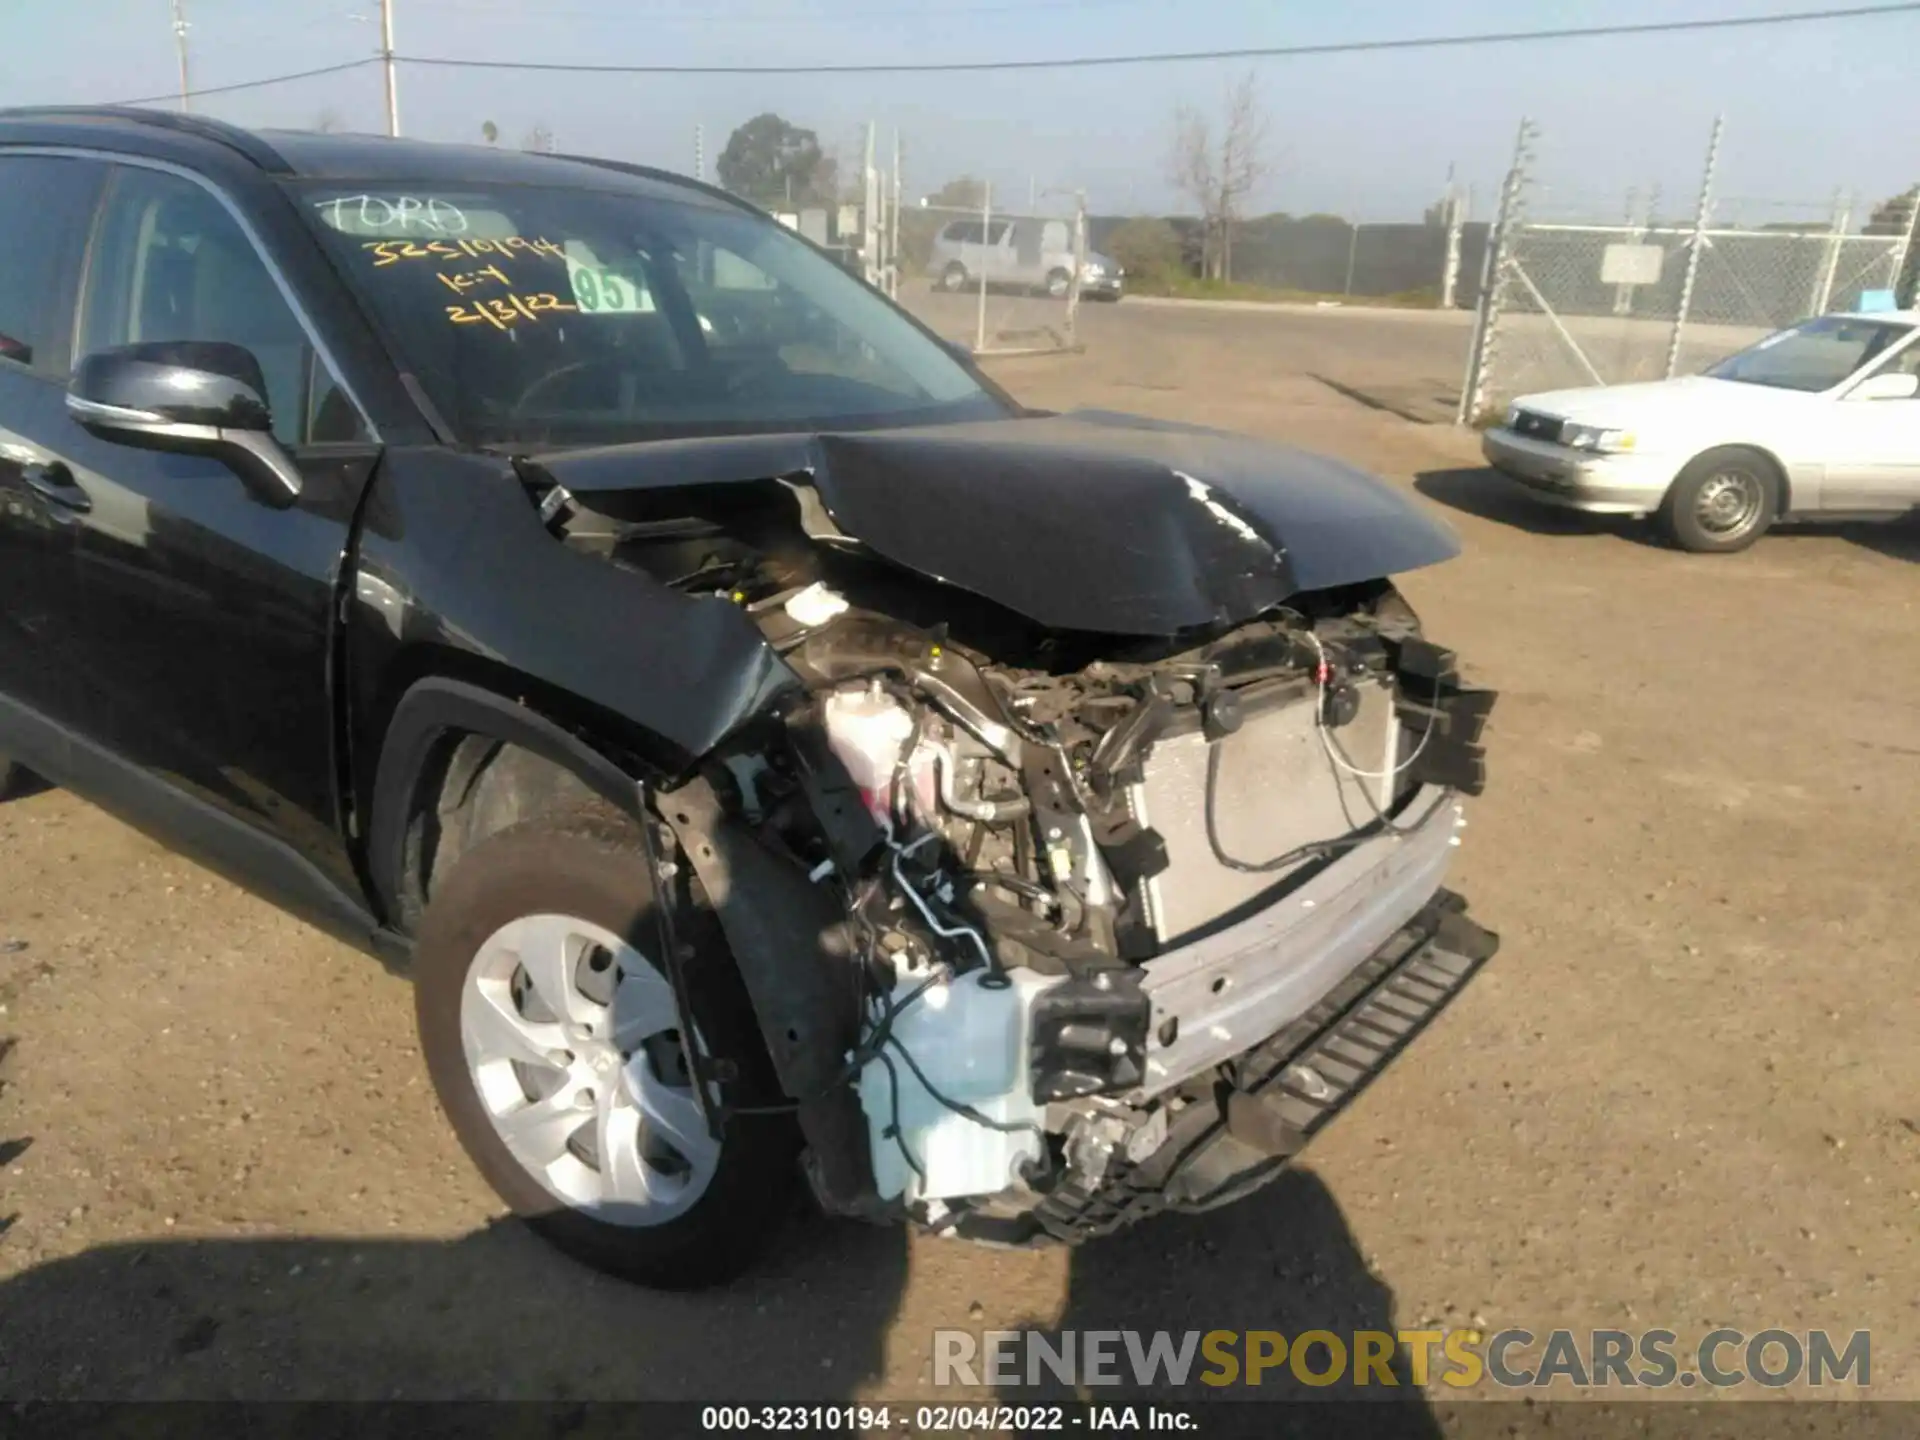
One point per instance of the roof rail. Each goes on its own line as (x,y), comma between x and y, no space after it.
(649,172)
(242,142)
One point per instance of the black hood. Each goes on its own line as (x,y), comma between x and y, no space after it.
(1086,521)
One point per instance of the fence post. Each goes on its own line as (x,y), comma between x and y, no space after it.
(1353,244)
(1701,215)
(1903,252)
(986,225)
(1450,267)
(1473,390)
(1842,222)
(893,222)
(1079,267)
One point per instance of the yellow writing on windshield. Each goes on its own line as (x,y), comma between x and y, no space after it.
(392,252)
(503,312)
(460,284)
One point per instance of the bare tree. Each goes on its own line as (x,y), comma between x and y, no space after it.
(328,122)
(1220,176)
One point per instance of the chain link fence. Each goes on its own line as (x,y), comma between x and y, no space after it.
(1567,305)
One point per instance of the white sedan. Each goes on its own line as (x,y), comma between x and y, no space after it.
(1820,419)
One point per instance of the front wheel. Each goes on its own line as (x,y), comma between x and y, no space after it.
(1058,283)
(554,1044)
(1723,501)
(13,778)
(954,277)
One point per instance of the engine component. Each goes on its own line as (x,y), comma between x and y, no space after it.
(957,1043)
(1090,1035)
(870,731)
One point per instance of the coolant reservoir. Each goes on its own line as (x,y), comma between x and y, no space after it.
(970,1040)
(868,729)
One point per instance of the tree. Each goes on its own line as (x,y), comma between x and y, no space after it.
(489,131)
(1892,216)
(1895,216)
(1220,176)
(773,162)
(327,122)
(964,193)
(1148,250)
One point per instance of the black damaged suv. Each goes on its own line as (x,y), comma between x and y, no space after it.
(779,758)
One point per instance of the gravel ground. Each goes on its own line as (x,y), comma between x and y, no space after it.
(1684,1095)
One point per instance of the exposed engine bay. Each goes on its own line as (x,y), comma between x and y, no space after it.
(1086,890)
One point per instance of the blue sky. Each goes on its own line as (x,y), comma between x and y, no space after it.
(1809,107)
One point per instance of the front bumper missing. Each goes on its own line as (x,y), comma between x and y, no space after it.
(1220,996)
(1275,1098)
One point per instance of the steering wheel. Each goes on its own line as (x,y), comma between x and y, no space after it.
(553,376)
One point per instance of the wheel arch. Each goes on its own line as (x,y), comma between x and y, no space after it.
(1783,477)
(462,756)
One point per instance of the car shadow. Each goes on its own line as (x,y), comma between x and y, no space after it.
(1486,494)
(1896,539)
(25,784)
(498,1315)
(1283,1259)
(495,1315)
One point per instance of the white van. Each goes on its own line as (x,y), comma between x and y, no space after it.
(1020,252)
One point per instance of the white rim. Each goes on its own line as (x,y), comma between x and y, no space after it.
(573,1046)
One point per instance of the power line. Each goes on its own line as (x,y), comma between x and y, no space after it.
(1261,52)
(709,15)
(253,84)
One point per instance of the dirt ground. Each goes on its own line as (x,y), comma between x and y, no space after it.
(1686,1093)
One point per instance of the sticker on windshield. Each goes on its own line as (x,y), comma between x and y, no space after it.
(599,290)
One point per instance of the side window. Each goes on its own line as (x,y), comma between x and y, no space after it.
(964,232)
(997,231)
(43,215)
(170,263)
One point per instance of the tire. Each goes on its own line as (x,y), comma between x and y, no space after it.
(1722,502)
(1059,282)
(562,886)
(954,277)
(13,778)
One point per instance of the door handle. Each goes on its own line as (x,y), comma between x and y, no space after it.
(56,483)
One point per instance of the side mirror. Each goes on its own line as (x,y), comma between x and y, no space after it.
(195,397)
(1886,387)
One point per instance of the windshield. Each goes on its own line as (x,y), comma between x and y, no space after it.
(538,316)
(1817,355)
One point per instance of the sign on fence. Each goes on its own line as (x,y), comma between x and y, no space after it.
(1631,264)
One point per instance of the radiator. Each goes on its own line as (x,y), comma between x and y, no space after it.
(1277,790)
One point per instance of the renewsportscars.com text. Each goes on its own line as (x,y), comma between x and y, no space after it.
(1512,1358)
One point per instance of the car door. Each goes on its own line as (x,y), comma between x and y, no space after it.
(1873,459)
(45,204)
(202,636)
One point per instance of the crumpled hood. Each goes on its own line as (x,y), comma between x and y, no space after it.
(1086,521)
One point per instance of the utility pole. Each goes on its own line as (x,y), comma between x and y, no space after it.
(699,151)
(386,54)
(180,41)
